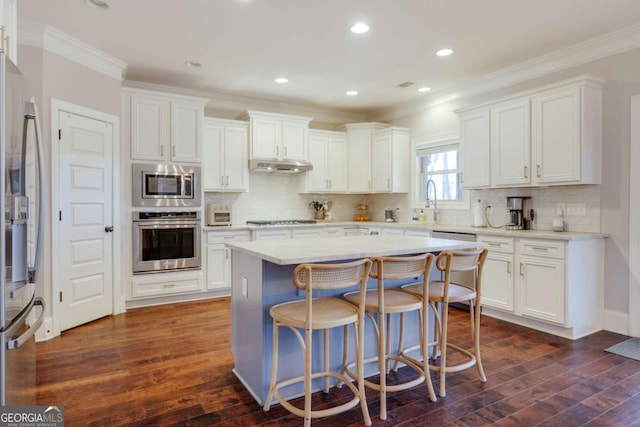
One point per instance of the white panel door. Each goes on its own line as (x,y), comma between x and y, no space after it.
(295,137)
(85,215)
(213,157)
(511,143)
(149,128)
(497,282)
(475,137)
(337,163)
(186,132)
(236,160)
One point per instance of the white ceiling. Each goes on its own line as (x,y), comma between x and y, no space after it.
(243,45)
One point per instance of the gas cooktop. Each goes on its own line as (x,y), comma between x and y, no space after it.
(282,222)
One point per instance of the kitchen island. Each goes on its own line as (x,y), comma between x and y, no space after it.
(261,277)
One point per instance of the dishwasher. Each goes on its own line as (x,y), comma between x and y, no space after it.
(466,278)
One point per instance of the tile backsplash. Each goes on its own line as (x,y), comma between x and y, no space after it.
(276,196)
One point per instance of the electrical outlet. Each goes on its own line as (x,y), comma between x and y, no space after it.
(576,209)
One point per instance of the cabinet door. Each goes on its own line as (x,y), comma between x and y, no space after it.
(150,128)
(266,134)
(337,163)
(186,132)
(381,169)
(8,19)
(217,267)
(236,163)
(295,140)
(359,158)
(213,157)
(556,136)
(510,143)
(317,179)
(542,289)
(475,149)
(497,282)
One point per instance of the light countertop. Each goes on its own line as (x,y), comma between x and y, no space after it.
(297,251)
(484,231)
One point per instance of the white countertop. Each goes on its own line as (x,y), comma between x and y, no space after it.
(485,231)
(297,251)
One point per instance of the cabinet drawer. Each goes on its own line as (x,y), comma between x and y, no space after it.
(145,288)
(497,244)
(544,248)
(214,237)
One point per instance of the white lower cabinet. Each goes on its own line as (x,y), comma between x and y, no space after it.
(219,257)
(165,284)
(307,233)
(497,280)
(551,285)
(272,234)
(333,232)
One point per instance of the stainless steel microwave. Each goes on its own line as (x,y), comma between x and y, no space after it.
(166,185)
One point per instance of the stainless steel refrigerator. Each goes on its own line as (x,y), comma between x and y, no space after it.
(21,312)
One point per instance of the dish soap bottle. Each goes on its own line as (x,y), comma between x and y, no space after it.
(423,217)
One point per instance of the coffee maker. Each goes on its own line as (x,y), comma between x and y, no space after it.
(516,219)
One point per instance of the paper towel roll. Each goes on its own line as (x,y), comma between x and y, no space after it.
(478,213)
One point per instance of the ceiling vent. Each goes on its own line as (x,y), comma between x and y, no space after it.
(405,84)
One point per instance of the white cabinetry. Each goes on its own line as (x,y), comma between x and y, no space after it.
(164,127)
(390,168)
(166,284)
(225,155)
(9,28)
(219,257)
(307,233)
(360,142)
(267,233)
(566,134)
(541,280)
(497,281)
(278,136)
(510,143)
(547,136)
(328,155)
(475,148)
(552,285)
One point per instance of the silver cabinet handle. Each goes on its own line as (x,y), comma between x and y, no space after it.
(540,248)
(285,151)
(521,269)
(221,179)
(526,171)
(508,267)
(227,179)
(494,244)
(388,183)
(169,285)
(173,151)
(538,170)
(2,48)
(277,150)
(162,150)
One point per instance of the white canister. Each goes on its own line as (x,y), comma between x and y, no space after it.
(478,213)
(557,224)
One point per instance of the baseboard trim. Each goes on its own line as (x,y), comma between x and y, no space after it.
(616,321)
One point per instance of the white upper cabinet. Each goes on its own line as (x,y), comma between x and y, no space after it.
(9,28)
(360,142)
(547,136)
(390,161)
(510,143)
(475,149)
(225,155)
(567,134)
(328,154)
(165,127)
(278,136)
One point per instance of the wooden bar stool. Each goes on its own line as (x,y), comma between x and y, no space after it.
(441,294)
(321,314)
(384,302)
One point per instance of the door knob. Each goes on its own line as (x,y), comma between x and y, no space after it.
(108,229)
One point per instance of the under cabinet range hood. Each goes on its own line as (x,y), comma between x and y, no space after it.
(279,166)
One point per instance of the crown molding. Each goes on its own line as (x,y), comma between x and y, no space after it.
(581,53)
(48,38)
(239,104)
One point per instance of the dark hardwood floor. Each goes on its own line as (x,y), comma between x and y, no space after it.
(171,365)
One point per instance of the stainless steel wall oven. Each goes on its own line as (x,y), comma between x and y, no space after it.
(166,241)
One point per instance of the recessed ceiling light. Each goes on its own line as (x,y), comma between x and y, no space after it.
(360,28)
(97,4)
(444,52)
(282,80)
(424,89)
(352,92)
(193,64)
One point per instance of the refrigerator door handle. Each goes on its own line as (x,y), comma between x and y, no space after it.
(15,342)
(31,113)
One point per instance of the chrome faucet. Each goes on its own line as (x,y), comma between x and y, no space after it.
(427,203)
